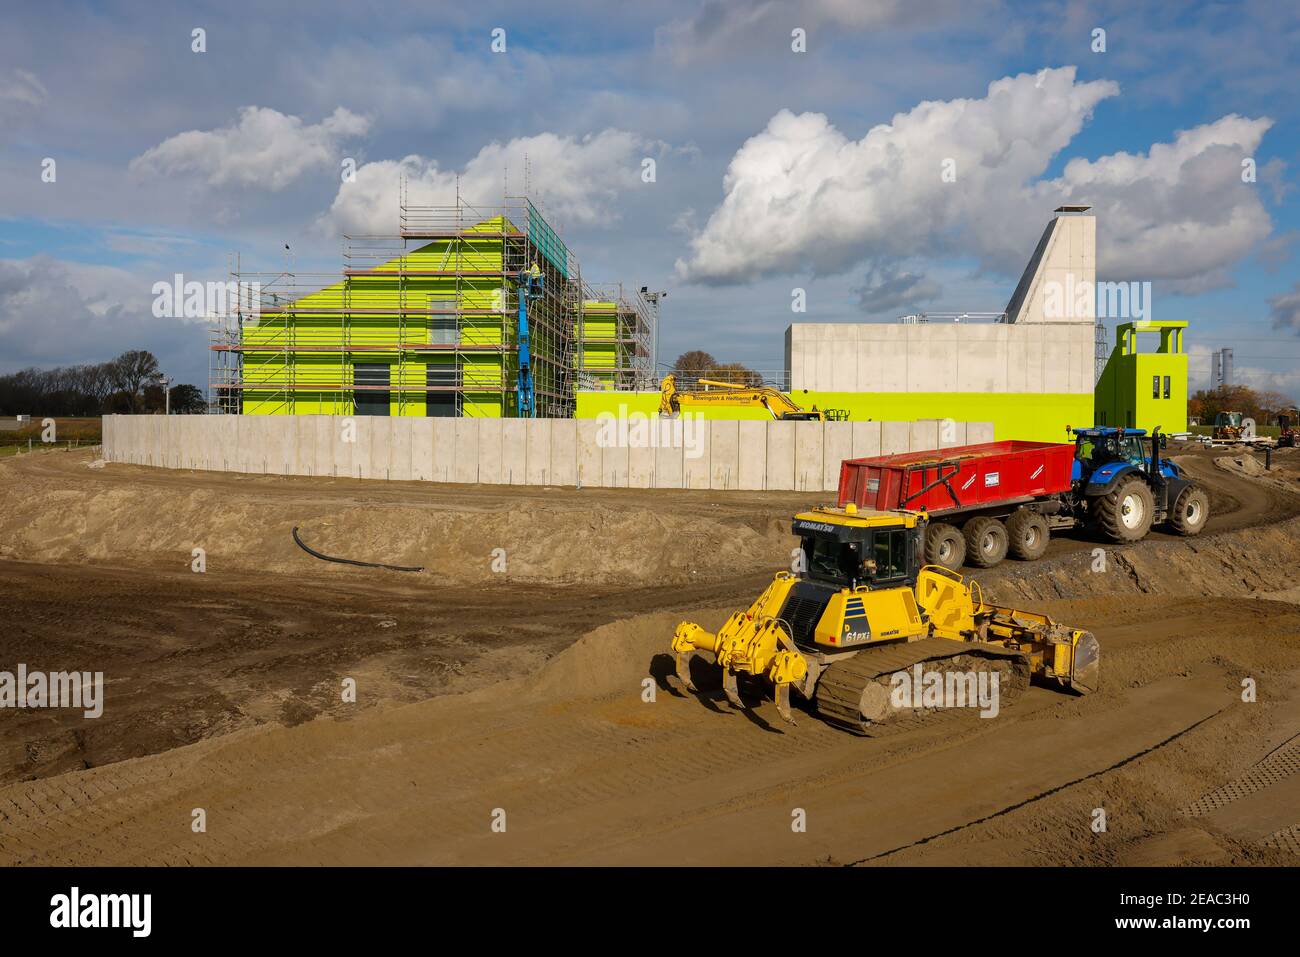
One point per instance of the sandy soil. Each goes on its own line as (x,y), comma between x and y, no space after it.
(525,691)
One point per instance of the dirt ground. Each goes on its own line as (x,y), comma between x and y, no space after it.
(517,693)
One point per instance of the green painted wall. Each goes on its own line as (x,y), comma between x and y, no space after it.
(1131,390)
(1031,417)
(314,335)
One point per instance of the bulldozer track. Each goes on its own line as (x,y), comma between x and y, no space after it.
(1278,766)
(840,688)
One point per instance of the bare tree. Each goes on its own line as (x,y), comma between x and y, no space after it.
(134,370)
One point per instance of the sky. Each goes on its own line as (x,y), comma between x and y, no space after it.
(868,159)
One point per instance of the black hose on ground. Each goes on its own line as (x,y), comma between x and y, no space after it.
(350,561)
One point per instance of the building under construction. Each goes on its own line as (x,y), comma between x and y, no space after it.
(425,322)
(615,340)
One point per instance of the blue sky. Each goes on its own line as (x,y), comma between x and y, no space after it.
(771,170)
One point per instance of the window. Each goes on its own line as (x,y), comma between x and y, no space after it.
(1166,387)
(441,399)
(1155,387)
(889,551)
(442,321)
(370,395)
(827,558)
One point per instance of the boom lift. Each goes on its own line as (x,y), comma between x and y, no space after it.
(864,609)
(730,395)
(528,288)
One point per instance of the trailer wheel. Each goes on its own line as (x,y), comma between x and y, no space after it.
(1191,511)
(944,546)
(1028,533)
(986,542)
(1125,514)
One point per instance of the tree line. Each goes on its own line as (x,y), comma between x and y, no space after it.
(692,366)
(133,382)
(1262,406)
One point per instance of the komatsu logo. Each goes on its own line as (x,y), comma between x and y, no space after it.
(816,527)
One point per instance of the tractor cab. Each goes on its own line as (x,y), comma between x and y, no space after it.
(1101,453)
(1101,446)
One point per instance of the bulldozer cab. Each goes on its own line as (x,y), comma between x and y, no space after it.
(1228,419)
(848,549)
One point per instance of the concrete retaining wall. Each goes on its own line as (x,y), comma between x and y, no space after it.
(641,453)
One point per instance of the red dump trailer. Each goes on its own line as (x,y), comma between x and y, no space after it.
(1005,496)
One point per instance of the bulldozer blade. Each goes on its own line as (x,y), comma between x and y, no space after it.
(684,670)
(783,704)
(732,689)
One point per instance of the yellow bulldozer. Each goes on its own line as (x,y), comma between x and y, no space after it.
(860,609)
(730,395)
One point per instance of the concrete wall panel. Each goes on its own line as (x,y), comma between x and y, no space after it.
(589,452)
(752,451)
(641,465)
(837,438)
(866,439)
(401,451)
(924,435)
(724,454)
(492,468)
(564,452)
(670,463)
(512,445)
(444,449)
(466,466)
(809,459)
(422,449)
(895,437)
(538,447)
(781,456)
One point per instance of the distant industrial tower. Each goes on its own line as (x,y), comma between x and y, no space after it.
(1100,352)
(1221,367)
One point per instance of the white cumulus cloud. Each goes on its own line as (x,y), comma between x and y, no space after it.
(801,197)
(577,180)
(265,149)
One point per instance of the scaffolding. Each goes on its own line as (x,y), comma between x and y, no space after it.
(427,317)
(615,340)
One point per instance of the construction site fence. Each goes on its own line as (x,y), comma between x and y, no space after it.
(693,453)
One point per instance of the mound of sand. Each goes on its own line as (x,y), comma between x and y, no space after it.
(1243,464)
(616,657)
(636,541)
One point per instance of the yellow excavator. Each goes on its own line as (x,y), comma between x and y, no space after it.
(861,609)
(727,394)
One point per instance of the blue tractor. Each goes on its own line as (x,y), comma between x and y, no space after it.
(1126,490)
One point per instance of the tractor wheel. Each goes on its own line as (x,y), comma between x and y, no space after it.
(1125,514)
(1028,533)
(986,542)
(1191,511)
(944,546)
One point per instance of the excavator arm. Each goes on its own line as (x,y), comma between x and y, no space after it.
(729,395)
